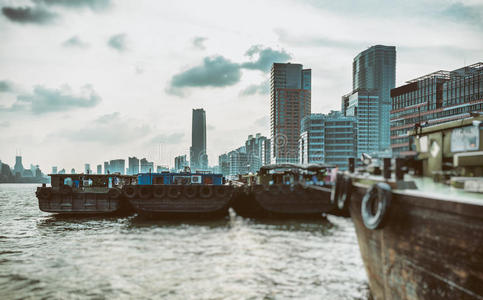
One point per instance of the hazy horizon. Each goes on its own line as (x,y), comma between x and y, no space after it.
(90,81)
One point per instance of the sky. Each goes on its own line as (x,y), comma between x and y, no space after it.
(94,80)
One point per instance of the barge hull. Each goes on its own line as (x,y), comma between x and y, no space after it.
(428,249)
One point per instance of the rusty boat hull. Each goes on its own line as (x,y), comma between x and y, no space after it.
(197,204)
(428,248)
(283,201)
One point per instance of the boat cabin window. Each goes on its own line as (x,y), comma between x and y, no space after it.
(68,181)
(196,179)
(181,179)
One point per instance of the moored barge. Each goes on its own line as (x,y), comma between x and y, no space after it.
(85,194)
(420,229)
(199,194)
(286,191)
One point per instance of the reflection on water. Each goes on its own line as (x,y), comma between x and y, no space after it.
(51,256)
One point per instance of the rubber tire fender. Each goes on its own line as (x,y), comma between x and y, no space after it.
(380,192)
(129,191)
(190,191)
(114,193)
(206,191)
(144,192)
(174,191)
(159,191)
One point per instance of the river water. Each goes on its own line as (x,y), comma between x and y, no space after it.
(48,256)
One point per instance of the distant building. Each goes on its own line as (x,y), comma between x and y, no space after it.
(117,166)
(328,139)
(106,167)
(99,169)
(18,168)
(238,161)
(147,166)
(133,168)
(72,171)
(54,170)
(87,169)
(180,162)
(364,106)
(435,98)
(198,154)
(224,164)
(160,169)
(290,100)
(62,171)
(374,75)
(257,152)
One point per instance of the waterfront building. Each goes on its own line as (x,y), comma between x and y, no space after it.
(198,155)
(290,100)
(374,75)
(18,168)
(433,99)
(328,138)
(238,161)
(54,170)
(87,169)
(224,164)
(180,162)
(364,106)
(257,152)
(99,169)
(147,166)
(117,166)
(133,168)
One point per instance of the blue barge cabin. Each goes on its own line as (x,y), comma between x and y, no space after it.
(182,178)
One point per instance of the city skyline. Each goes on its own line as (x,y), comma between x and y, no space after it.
(107,90)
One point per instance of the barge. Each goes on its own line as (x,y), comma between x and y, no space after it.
(286,191)
(199,194)
(85,194)
(419,222)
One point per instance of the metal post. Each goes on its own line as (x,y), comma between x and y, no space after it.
(387,168)
(352,165)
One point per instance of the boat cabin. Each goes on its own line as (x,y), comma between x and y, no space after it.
(182,178)
(90,182)
(293,173)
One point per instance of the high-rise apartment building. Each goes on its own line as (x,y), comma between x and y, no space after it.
(180,162)
(54,170)
(198,155)
(257,152)
(147,166)
(133,167)
(329,139)
(374,75)
(87,169)
(433,99)
(18,167)
(117,166)
(106,167)
(290,100)
(99,169)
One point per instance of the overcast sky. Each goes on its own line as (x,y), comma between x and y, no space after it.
(93,80)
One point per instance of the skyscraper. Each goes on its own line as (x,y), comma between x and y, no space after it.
(256,152)
(117,166)
(198,155)
(99,169)
(374,74)
(290,100)
(18,168)
(133,168)
(146,166)
(87,169)
(180,162)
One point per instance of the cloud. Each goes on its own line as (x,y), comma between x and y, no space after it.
(262,89)
(198,42)
(472,14)
(26,15)
(75,42)
(6,86)
(44,100)
(263,121)
(110,129)
(173,138)
(265,57)
(94,5)
(5,124)
(215,71)
(118,42)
